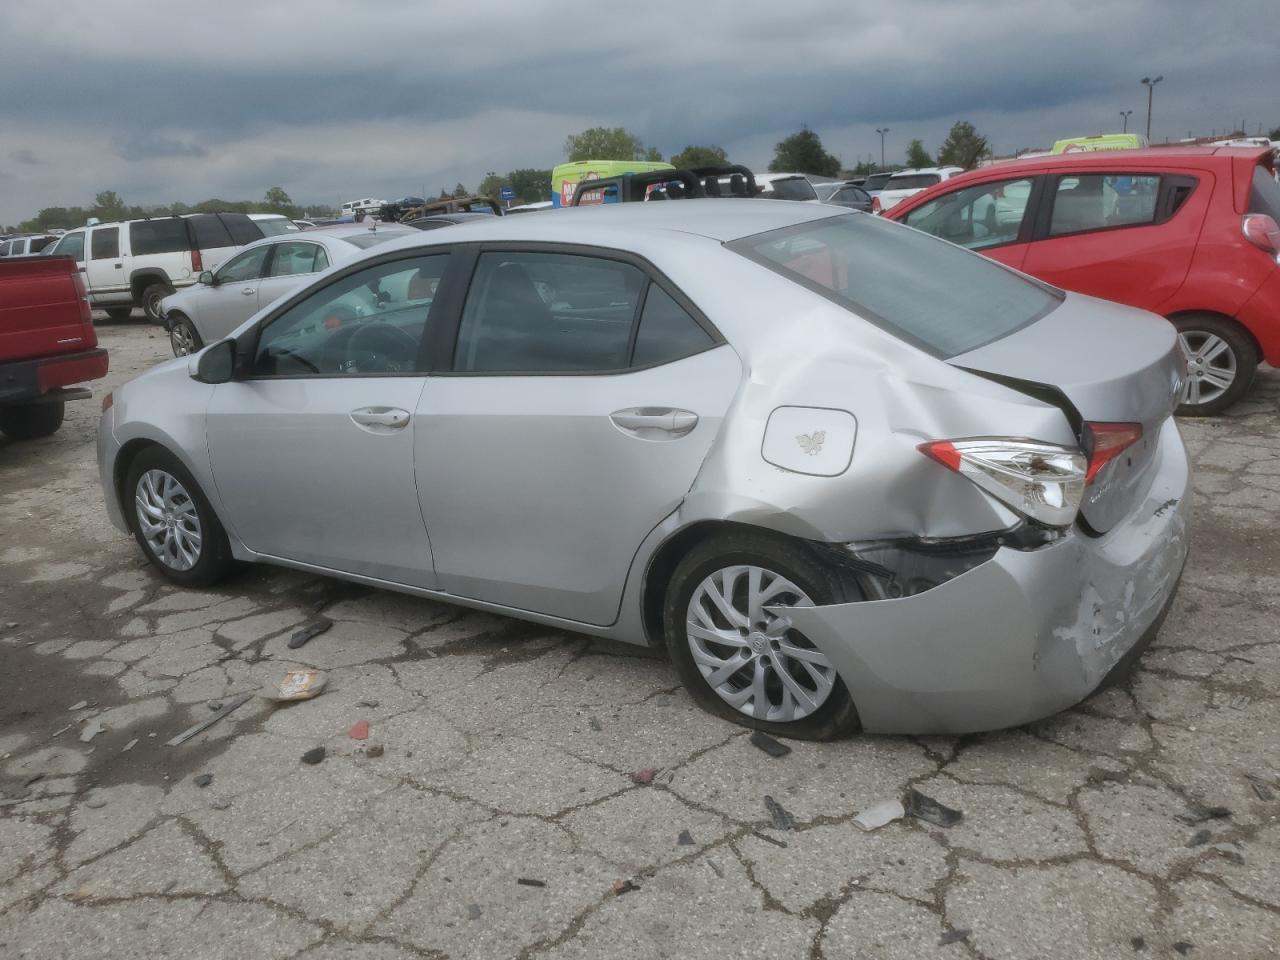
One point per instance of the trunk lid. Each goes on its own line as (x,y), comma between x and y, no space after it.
(43,311)
(1100,362)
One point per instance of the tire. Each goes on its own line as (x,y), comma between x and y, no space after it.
(834,714)
(184,338)
(120,314)
(211,560)
(1222,360)
(32,420)
(151,297)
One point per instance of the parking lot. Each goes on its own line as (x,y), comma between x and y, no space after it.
(527,793)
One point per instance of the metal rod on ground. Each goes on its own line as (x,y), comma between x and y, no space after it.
(203,725)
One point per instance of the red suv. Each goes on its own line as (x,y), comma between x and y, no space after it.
(1190,233)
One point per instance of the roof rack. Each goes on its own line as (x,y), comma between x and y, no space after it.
(669,185)
(394,212)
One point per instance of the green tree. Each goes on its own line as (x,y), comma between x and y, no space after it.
(531,185)
(653,155)
(803,153)
(692,156)
(1274,134)
(107,206)
(492,185)
(459,190)
(917,155)
(604,143)
(277,198)
(964,146)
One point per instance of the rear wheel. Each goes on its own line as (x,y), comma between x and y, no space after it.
(32,420)
(183,336)
(173,521)
(151,298)
(740,661)
(1221,363)
(120,314)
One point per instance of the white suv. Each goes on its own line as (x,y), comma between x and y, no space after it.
(140,262)
(907,183)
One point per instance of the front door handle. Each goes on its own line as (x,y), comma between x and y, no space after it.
(380,419)
(249,291)
(654,423)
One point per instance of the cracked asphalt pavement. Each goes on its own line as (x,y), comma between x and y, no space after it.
(502,815)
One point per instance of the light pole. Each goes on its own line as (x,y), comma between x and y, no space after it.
(1150,84)
(1125,116)
(882,131)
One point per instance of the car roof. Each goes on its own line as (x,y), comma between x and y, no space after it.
(720,219)
(916,170)
(1178,156)
(331,233)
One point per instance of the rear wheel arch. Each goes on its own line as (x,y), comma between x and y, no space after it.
(1236,368)
(1225,318)
(139,280)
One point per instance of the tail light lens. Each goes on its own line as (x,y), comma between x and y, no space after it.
(1040,480)
(197,261)
(875,205)
(1107,441)
(1262,231)
(108,401)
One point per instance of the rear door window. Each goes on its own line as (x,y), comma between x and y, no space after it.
(39,243)
(105,243)
(241,228)
(913,181)
(1264,195)
(292,259)
(147,237)
(1101,201)
(244,266)
(978,217)
(667,331)
(209,231)
(944,300)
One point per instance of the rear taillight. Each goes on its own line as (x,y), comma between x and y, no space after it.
(1262,231)
(108,400)
(197,261)
(1040,480)
(82,293)
(1106,442)
(875,205)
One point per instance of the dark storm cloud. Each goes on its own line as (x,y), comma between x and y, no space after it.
(25,157)
(149,146)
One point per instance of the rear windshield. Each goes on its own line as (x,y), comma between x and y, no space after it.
(930,293)
(275,227)
(876,181)
(39,243)
(796,188)
(158,236)
(210,232)
(1265,195)
(913,181)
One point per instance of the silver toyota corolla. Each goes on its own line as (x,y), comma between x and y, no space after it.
(849,475)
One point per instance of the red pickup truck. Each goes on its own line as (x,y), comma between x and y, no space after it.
(47,344)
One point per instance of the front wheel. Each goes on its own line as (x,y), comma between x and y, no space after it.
(173,521)
(742,662)
(151,298)
(32,420)
(1221,363)
(184,339)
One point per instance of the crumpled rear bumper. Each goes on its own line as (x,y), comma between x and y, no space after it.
(1020,637)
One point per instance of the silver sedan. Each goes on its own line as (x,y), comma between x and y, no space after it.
(849,475)
(259,274)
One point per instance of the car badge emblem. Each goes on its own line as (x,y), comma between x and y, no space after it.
(811,443)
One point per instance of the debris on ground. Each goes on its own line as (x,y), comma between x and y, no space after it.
(715,868)
(34,778)
(205,724)
(774,748)
(1183,947)
(1261,789)
(473,911)
(768,839)
(95,803)
(1228,854)
(374,750)
(953,936)
(594,724)
(623,886)
(778,815)
(529,882)
(130,745)
(643,776)
(78,705)
(930,810)
(219,803)
(1138,943)
(313,756)
(297,685)
(82,893)
(1199,838)
(877,815)
(360,731)
(203,780)
(91,730)
(314,629)
(685,839)
(368,704)
(61,730)
(1196,814)
(214,705)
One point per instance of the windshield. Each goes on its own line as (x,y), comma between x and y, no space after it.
(1265,195)
(374,237)
(929,293)
(914,181)
(793,188)
(876,181)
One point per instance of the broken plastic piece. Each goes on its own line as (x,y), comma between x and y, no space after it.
(303,636)
(78,705)
(360,731)
(768,839)
(877,815)
(203,725)
(643,776)
(1183,947)
(953,936)
(529,882)
(367,704)
(297,685)
(930,810)
(715,868)
(774,748)
(130,745)
(91,730)
(778,815)
(623,886)
(685,839)
(313,756)
(374,750)
(203,780)
(1199,838)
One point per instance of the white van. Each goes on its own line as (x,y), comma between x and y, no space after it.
(140,262)
(367,205)
(26,246)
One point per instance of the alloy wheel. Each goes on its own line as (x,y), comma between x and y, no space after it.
(181,339)
(754,661)
(1211,366)
(168,520)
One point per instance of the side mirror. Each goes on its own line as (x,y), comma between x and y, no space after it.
(217,363)
(206,277)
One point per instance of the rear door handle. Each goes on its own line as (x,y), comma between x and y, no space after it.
(654,423)
(380,419)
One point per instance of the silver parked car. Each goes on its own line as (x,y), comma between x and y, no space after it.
(850,475)
(260,273)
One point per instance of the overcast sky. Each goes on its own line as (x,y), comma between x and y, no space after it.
(336,100)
